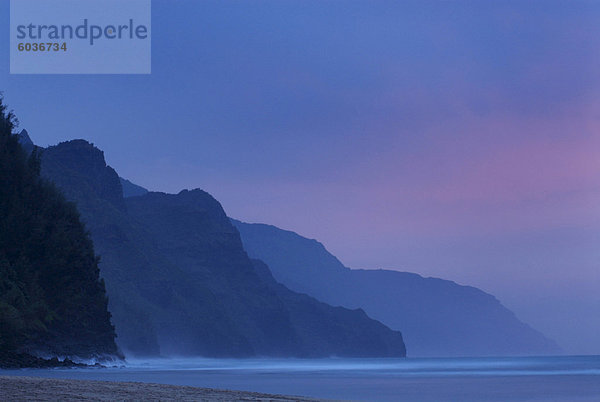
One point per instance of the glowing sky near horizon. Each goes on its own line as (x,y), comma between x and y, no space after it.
(452,139)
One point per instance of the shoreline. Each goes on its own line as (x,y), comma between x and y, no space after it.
(45,389)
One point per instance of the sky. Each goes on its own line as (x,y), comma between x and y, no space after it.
(453,139)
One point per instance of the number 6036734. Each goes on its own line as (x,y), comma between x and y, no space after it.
(42,47)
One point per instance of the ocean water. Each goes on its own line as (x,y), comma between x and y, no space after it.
(560,378)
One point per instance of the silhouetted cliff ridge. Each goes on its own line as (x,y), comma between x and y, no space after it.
(437,317)
(180,282)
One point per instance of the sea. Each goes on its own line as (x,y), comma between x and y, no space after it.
(548,378)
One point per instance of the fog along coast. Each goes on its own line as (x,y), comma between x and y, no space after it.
(180,280)
(384,379)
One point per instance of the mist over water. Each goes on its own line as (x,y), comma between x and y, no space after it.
(568,378)
(514,366)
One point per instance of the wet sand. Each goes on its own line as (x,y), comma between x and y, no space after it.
(50,389)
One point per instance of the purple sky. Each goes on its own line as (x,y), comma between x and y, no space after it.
(452,139)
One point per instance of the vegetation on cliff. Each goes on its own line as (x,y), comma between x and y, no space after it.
(52,301)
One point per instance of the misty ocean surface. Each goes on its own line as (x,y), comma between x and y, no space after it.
(561,378)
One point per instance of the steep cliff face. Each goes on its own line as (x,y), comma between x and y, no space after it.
(71,164)
(236,310)
(193,231)
(437,317)
(136,275)
(338,331)
(180,282)
(52,301)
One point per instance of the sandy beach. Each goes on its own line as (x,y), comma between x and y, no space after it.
(14,388)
